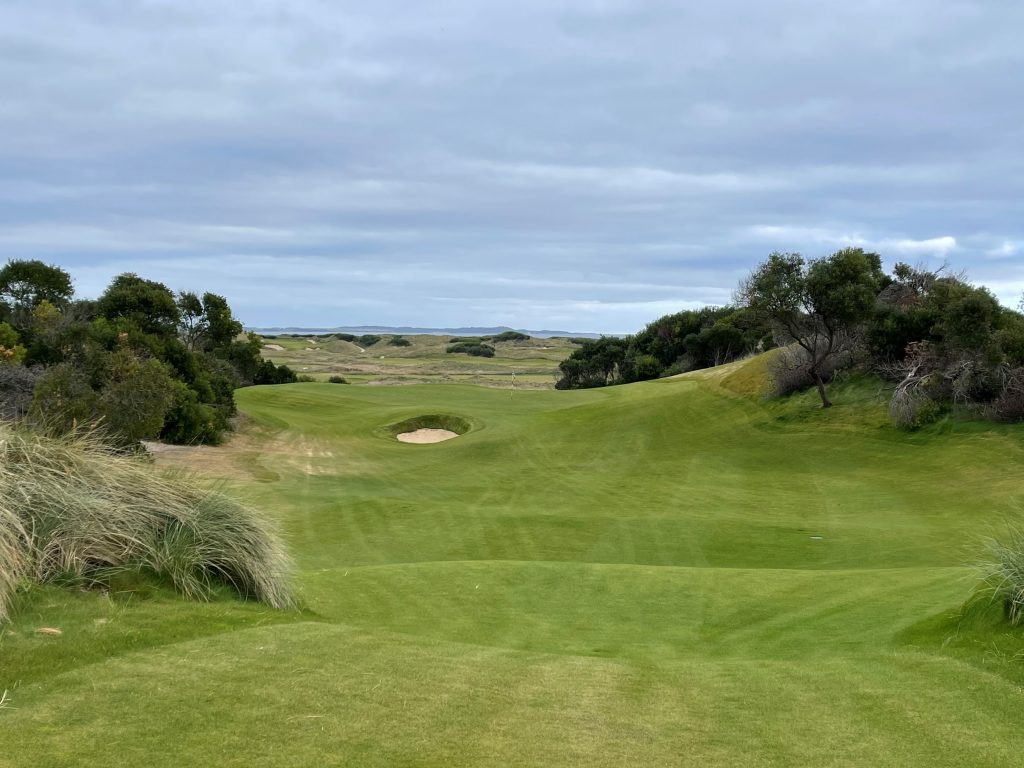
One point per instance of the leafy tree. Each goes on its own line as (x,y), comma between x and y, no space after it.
(147,304)
(25,284)
(192,326)
(821,305)
(597,363)
(221,326)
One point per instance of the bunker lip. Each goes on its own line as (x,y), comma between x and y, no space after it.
(425,436)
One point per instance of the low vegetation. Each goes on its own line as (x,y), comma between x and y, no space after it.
(677,343)
(72,511)
(938,342)
(140,360)
(506,336)
(473,348)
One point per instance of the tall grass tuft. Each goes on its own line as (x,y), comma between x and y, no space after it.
(72,508)
(1004,572)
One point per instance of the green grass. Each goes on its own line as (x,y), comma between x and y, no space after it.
(668,573)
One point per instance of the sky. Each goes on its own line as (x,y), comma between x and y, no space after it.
(582,165)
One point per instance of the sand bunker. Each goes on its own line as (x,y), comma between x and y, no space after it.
(422,436)
(275,347)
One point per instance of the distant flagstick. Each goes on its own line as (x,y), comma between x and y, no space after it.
(513,384)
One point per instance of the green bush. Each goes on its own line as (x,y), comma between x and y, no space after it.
(368,340)
(190,422)
(11,352)
(508,336)
(73,510)
(398,341)
(470,348)
(337,380)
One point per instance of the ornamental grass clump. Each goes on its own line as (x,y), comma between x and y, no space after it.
(1004,573)
(72,509)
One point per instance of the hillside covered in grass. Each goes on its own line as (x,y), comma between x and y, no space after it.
(668,573)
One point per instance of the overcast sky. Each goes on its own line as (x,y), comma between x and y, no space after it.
(583,165)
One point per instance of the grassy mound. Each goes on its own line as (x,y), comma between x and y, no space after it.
(72,510)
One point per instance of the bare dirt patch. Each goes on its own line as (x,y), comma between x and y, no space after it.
(424,436)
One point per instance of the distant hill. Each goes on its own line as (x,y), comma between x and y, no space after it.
(408,330)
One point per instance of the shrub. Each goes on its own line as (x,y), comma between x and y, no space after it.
(914,408)
(337,380)
(17,383)
(368,340)
(190,422)
(470,348)
(268,373)
(398,341)
(11,351)
(72,509)
(1009,404)
(508,336)
(789,370)
(63,399)
(305,378)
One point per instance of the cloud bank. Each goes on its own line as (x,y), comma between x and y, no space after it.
(585,164)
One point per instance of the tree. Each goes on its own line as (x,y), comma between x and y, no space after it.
(820,305)
(221,326)
(192,326)
(26,284)
(149,305)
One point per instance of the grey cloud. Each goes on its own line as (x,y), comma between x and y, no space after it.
(585,163)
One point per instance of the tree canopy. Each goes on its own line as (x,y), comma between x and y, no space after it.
(26,284)
(139,362)
(821,305)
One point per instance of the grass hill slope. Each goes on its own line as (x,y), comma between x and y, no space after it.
(667,573)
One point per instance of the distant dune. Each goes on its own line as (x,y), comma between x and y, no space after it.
(470,331)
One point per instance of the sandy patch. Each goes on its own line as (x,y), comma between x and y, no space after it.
(422,436)
(275,347)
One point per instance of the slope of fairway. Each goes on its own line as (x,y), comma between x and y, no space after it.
(666,573)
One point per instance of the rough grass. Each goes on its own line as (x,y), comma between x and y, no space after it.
(72,510)
(1004,572)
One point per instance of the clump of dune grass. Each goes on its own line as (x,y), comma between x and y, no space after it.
(73,509)
(1004,572)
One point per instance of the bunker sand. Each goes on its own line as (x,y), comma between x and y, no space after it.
(424,436)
